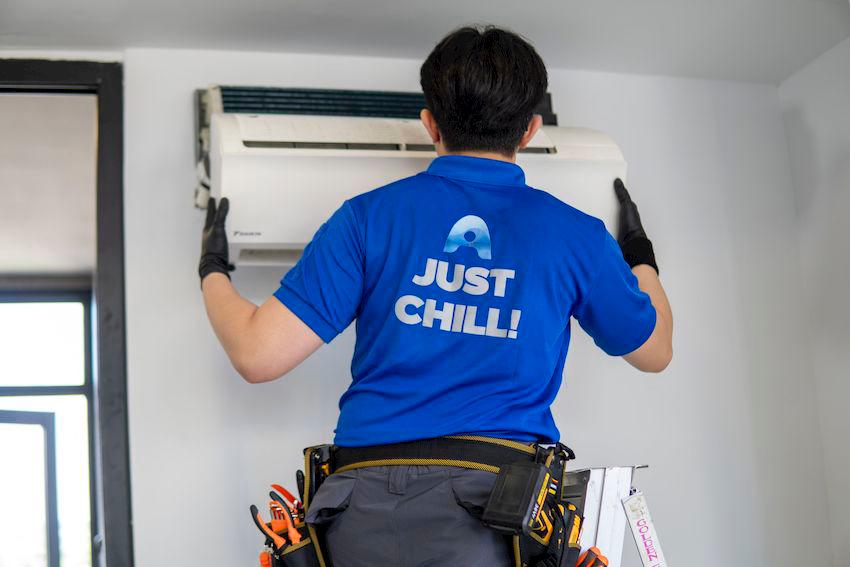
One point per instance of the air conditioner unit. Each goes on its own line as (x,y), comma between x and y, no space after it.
(285,174)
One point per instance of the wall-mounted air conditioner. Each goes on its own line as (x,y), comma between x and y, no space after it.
(285,174)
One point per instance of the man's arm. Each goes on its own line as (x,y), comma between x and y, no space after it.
(657,351)
(263,343)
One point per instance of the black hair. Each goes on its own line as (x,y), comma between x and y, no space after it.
(482,85)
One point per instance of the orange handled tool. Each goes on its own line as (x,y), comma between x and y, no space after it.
(277,540)
(286,494)
(294,535)
(592,558)
(278,526)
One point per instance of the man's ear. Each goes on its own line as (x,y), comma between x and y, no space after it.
(533,126)
(430,124)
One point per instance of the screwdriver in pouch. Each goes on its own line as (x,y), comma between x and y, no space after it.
(278,523)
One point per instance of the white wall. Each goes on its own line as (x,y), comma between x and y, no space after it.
(63,54)
(816,107)
(47,221)
(728,428)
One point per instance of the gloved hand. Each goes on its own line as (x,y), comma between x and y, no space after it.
(214,253)
(636,247)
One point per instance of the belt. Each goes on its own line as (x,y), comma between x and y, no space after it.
(467,451)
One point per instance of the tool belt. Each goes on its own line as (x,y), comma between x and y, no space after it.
(527,505)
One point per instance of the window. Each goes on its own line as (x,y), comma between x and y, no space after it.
(46,373)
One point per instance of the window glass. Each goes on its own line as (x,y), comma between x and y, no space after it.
(23,519)
(42,344)
(72,475)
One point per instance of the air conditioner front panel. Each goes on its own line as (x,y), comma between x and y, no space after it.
(330,129)
(585,184)
(278,202)
(280,195)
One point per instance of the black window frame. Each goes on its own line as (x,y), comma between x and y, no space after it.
(108,331)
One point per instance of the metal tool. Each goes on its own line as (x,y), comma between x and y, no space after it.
(294,534)
(299,481)
(286,494)
(271,537)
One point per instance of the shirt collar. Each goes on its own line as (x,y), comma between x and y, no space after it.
(478,170)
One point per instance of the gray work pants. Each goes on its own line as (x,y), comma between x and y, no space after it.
(408,516)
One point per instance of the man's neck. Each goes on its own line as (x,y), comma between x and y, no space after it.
(487,155)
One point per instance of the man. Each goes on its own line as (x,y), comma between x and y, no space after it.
(462,281)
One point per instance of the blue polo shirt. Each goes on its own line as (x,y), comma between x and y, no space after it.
(462,281)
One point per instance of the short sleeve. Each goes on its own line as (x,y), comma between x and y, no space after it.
(614,311)
(325,287)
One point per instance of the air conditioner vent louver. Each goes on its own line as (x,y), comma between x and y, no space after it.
(334,102)
(321,102)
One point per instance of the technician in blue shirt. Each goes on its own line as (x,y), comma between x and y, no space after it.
(462,281)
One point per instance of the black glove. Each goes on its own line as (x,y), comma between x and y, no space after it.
(636,247)
(214,254)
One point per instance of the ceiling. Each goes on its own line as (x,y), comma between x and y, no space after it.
(47,183)
(751,40)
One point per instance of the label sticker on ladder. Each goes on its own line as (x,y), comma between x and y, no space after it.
(643,530)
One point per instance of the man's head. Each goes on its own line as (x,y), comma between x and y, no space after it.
(481,86)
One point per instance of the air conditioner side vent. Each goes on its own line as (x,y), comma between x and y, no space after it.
(539,150)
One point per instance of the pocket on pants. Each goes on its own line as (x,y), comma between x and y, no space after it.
(471,489)
(478,545)
(332,498)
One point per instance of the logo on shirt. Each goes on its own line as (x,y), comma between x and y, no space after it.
(467,315)
(470,231)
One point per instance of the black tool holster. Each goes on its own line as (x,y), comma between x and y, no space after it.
(317,467)
(546,543)
(308,552)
